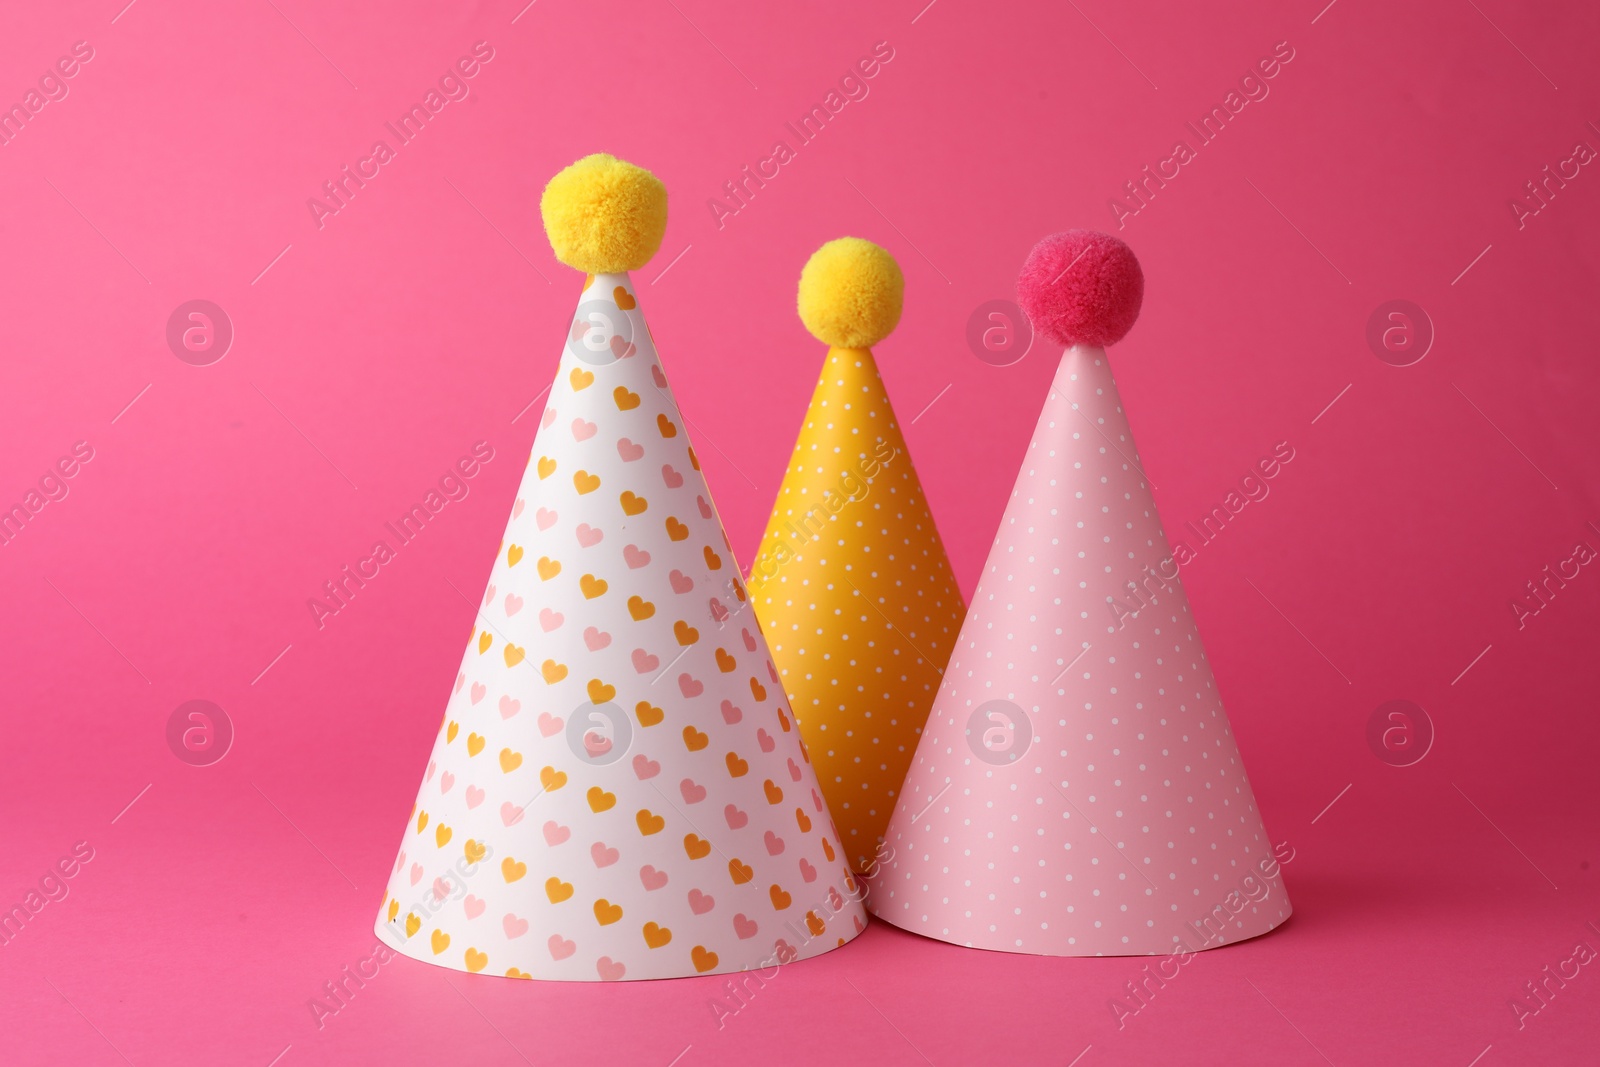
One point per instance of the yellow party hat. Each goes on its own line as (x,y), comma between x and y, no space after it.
(851,585)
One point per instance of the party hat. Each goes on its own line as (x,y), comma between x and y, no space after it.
(617,790)
(1077,790)
(851,584)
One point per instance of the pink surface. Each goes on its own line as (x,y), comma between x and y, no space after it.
(374,350)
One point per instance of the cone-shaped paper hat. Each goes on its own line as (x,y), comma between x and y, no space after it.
(851,584)
(1077,791)
(617,790)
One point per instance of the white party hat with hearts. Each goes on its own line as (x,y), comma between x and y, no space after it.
(1077,790)
(617,789)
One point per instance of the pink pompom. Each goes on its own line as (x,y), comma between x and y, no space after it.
(1081,288)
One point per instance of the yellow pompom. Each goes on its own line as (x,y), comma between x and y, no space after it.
(850,293)
(604,216)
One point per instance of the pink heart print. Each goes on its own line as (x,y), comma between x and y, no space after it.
(601,718)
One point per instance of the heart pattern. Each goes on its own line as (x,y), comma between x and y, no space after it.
(587,815)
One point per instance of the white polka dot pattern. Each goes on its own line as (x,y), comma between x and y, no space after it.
(1127,826)
(855,594)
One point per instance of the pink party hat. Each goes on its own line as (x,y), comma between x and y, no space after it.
(618,789)
(1077,790)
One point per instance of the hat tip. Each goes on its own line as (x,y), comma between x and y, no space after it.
(1081,287)
(851,293)
(604,215)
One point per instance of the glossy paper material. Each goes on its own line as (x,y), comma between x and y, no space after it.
(617,790)
(1077,791)
(855,593)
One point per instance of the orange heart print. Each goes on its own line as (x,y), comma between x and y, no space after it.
(578,819)
(851,584)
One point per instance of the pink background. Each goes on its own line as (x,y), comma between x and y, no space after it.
(377,349)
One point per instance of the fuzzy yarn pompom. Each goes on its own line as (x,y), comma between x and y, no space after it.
(1081,288)
(604,216)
